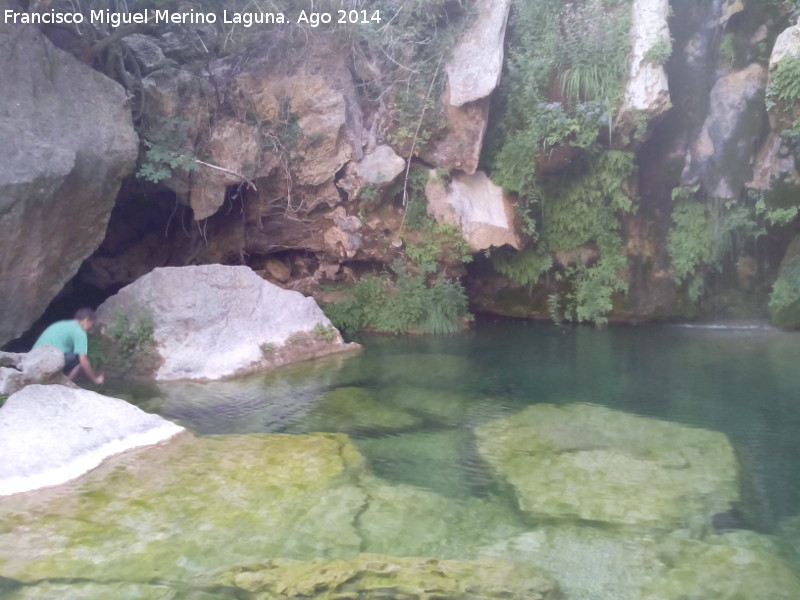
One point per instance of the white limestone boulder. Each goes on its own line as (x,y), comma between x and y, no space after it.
(51,434)
(473,72)
(377,170)
(477,62)
(216,321)
(646,87)
(476,205)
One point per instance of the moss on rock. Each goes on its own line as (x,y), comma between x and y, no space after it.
(194,505)
(409,521)
(582,462)
(354,409)
(591,563)
(382,577)
(425,459)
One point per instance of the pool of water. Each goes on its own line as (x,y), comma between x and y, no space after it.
(742,380)
(148,524)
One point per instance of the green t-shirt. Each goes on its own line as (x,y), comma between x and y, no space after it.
(67,336)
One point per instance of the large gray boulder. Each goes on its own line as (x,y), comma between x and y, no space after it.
(216,321)
(51,434)
(68,141)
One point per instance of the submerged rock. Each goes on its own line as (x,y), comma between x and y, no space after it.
(352,409)
(591,563)
(374,576)
(405,520)
(193,505)
(592,463)
(215,321)
(426,458)
(50,434)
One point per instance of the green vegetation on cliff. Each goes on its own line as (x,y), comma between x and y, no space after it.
(549,141)
(399,303)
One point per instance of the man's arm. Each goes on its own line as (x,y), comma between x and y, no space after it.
(83,361)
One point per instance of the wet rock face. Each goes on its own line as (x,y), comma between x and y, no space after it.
(216,321)
(723,153)
(582,462)
(296,118)
(63,157)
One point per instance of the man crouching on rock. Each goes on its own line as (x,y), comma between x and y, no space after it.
(69,336)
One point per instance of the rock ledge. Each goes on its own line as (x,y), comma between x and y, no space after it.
(51,434)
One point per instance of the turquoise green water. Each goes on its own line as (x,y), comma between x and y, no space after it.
(740,380)
(160,522)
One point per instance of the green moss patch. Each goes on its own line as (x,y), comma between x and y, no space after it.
(583,462)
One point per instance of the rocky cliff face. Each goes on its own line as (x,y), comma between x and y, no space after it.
(306,154)
(68,141)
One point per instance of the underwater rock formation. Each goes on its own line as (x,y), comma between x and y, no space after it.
(379,576)
(594,562)
(595,464)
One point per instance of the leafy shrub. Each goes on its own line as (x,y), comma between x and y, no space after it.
(785,80)
(594,47)
(786,290)
(125,345)
(325,332)
(523,267)
(705,233)
(659,52)
(405,305)
(583,207)
(162,152)
(436,243)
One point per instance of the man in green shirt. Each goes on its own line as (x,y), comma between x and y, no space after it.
(70,337)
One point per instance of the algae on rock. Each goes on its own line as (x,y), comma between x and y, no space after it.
(375,576)
(592,562)
(355,409)
(189,507)
(405,520)
(596,464)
